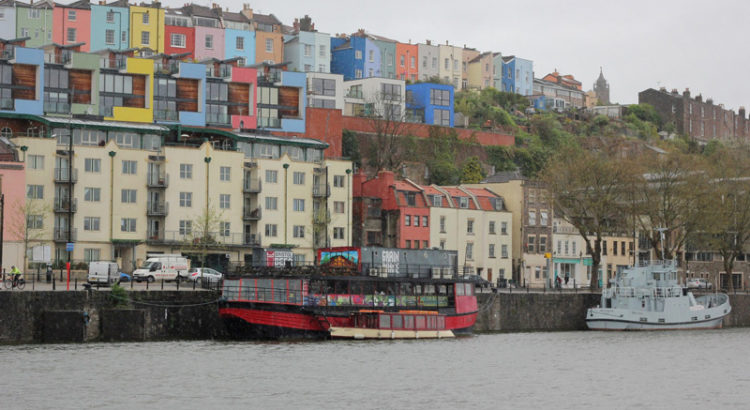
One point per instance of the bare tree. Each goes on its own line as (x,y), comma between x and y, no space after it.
(392,145)
(587,189)
(27,223)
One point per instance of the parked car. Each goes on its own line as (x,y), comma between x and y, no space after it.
(124,277)
(699,283)
(103,272)
(205,274)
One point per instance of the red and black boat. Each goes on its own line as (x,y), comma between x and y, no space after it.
(343,294)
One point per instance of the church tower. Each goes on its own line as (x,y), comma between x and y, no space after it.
(601,88)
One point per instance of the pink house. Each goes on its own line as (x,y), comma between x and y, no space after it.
(209,32)
(249,76)
(71,24)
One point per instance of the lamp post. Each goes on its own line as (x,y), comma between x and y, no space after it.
(286,199)
(348,206)
(111,199)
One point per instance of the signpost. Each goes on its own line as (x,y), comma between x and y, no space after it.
(68,247)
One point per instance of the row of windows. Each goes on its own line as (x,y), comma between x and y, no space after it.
(543,218)
(409,218)
(321,50)
(271,231)
(615,247)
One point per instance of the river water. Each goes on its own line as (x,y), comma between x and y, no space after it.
(564,370)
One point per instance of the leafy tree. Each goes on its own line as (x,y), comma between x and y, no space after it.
(587,191)
(645,112)
(471,172)
(350,147)
(204,234)
(501,158)
(443,172)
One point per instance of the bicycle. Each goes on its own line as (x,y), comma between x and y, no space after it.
(8,282)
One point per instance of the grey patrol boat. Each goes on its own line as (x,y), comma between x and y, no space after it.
(648,296)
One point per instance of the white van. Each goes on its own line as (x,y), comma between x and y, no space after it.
(162,267)
(103,272)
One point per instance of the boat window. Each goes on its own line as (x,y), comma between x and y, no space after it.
(385,321)
(248,289)
(420,321)
(440,322)
(264,290)
(459,289)
(441,290)
(469,289)
(432,322)
(279,290)
(429,289)
(398,321)
(417,289)
(295,291)
(408,322)
(231,289)
(406,289)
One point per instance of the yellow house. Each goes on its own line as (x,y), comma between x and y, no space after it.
(147,27)
(139,107)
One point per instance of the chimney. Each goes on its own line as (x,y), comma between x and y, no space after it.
(428,42)
(663,89)
(674,91)
(710,101)
(698,97)
(742,112)
(215,6)
(358,179)
(247,11)
(446,42)
(295,25)
(686,93)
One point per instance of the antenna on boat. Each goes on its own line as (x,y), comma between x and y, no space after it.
(661,238)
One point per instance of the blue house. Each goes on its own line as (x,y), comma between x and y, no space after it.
(355,57)
(517,75)
(281,99)
(183,70)
(12,98)
(110,26)
(239,40)
(308,51)
(430,103)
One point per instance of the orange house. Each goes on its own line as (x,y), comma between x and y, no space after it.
(407,62)
(269,41)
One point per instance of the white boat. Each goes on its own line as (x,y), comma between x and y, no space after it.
(649,297)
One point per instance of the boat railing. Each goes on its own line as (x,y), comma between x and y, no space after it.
(631,292)
(657,263)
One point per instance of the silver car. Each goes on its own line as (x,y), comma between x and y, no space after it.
(698,283)
(204,274)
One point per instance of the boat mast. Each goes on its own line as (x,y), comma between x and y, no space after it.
(661,238)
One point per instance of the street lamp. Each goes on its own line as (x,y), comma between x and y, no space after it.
(348,206)
(286,199)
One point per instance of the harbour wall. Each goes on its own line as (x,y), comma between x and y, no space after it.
(93,316)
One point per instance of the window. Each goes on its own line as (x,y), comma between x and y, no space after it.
(470,227)
(127,224)
(145,38)
(110,16)
(71,35)
(437,200)
(441,117)
(269,45)
(272,176)
(338,181)
(322,86)
(91,254)
(442,224)
(469,251)
(442,244)
(463,202)
(91,194)
(401,60)
(239,43)
(129,167)
(209,41)
(298,231)
(91,223)
(504,251)
(271,230)
(35,222)
(36,161)
(411,198)
(71,15)
(503,228)
(542,244)
(224,229)
(322,51)
(604,247)
(225,173)
(298,205)
(492,250)
(128,196)
(33,14)
(186,171)
(186,199)
(447,64)
(425,220)
(109,36)
(338,233)
(531,244)
(371,55)
(358,54)
(532,218)
(224,200)
(614,248)
(416,220)
(543,218)
(407,220)
(124,36)
(272,202)
(440,97)
(338,207)
(298,178)
(177,40)
(145,18)
(492,227)
(186,227)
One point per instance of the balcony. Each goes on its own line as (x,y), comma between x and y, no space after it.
(251,239)
(61,235)
(9,53)
(62,175)
(218,119)
(61,58)
(354,94)
(268,122)
(211,240)
(271,77)
(166,115)
(172,67)
(6,104)
(321,191)
(113,63)
(56,107)
(154,180)
(322,217)
(252,214)
(252,185)
(63,205)
(155,208)
(154,235)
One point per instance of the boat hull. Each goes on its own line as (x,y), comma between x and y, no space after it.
(613,319)
(362,333)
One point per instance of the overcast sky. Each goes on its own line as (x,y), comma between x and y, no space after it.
(639,44)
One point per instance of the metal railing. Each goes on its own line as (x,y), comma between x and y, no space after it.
(166,115)
(171,67)
(160,208)
(268,122)
(154,180)
(220,119)
(252,214)
(252,185)
(61,234)
(212,239)
(252,239)
(321,190)
(9,52)
(62,175)
(116,63)
(6,104)
(57,107)
(354,94)
(63,205)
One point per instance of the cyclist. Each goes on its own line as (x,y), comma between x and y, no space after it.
(15,275)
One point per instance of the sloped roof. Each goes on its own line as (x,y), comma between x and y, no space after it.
(266,19)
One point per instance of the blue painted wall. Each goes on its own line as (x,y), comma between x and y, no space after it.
(197,71)
(230,45)
(509,76)
(31,56)
(524,76)
(344,61)
(298,80)
(294,52)
(99,27)
(421,94)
